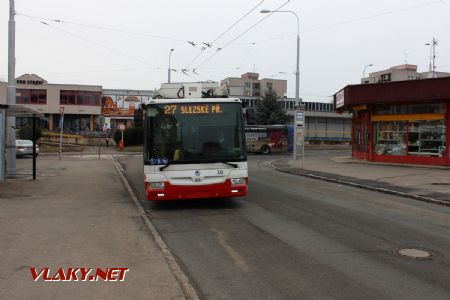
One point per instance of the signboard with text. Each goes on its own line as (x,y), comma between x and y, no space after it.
(299,136)
(340,100)
(107,124)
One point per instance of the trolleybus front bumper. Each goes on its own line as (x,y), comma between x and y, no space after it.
(180,192)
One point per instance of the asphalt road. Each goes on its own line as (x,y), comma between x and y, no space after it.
(298,238)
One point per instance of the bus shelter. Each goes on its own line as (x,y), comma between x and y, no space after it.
(15,111)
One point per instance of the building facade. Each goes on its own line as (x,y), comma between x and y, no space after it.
(81,103)
(250,89)
(322,123)
(85,106)
(400,122)
(120,105)
(401,73)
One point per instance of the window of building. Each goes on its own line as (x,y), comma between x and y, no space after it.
(73,123)
(256,89)
(248,84)
(79,98)
(385,77)
(269,86)
(31,96)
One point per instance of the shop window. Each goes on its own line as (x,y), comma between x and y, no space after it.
(419,138)
(390,139)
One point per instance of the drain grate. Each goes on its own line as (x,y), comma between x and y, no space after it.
(414,253)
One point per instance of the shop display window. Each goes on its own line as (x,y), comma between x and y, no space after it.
(420,138)
(390,138)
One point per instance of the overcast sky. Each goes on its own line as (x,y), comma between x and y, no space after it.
(338,38)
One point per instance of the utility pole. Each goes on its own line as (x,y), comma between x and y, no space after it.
(11,93)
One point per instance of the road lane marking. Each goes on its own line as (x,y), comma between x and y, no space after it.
(235,256)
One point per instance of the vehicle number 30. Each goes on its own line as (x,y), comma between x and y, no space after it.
(219,172)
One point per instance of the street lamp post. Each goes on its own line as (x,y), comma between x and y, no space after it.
(364,71)
(170,54)
(298,101)
(297,69)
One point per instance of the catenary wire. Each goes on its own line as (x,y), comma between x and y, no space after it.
(225,32)
(240,35)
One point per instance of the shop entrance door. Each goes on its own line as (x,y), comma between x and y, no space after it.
(361,135)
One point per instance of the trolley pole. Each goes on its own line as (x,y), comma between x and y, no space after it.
(11,93)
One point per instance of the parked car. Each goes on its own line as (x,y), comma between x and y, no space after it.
(25,147)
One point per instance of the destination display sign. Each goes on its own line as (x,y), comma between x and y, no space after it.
(193,109)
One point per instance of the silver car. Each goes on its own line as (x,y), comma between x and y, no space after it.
(25,147)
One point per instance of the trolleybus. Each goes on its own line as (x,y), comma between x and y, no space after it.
(194,148)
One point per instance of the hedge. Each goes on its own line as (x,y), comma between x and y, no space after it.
(26,133)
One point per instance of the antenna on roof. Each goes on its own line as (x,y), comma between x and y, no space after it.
(406,54)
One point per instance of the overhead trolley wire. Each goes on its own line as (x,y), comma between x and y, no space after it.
(94,42)
(240,35)
(60,21)
(202,50)
(345,22)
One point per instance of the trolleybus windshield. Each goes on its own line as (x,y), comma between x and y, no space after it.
(193,133)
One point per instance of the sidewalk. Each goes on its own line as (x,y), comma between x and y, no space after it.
(421,181)
(77,214)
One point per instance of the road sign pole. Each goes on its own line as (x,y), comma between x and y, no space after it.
(61,125)
(299,135)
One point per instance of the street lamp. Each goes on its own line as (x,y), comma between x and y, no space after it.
(299,116)
(170,54)
(297,71)
(364,71)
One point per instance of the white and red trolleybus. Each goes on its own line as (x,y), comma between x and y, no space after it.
(194,148)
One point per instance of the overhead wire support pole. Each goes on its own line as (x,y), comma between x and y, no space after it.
(11,93)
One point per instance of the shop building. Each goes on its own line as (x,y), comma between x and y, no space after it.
(81,103)
(120,105)
(399,122)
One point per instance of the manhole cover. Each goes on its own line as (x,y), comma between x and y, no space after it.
(414,253)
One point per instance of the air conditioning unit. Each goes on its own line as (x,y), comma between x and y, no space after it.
(192,90)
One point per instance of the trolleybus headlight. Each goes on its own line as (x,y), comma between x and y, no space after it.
(237,181)
(156,185)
